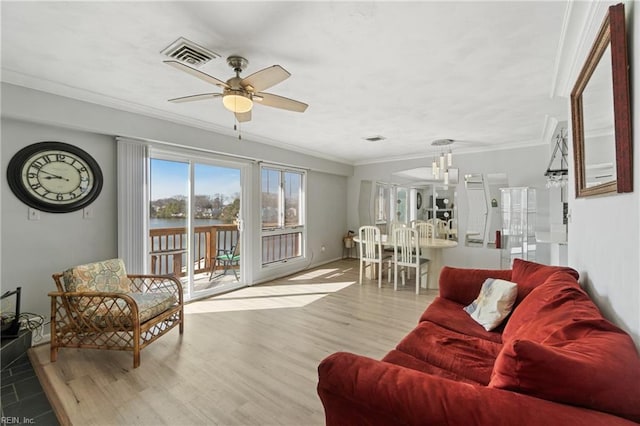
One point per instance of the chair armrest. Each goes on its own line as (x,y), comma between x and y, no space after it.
(84,305)
(462,285)
(156,284)
(360,390)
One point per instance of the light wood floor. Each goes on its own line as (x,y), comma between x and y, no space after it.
(246,358)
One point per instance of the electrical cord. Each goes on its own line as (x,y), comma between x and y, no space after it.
(33,322)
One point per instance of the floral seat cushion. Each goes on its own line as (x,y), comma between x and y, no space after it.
(115,313)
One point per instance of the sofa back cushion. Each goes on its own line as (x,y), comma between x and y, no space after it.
(559,289)
(557,346)
(462,285)
(528,275)
(108,275)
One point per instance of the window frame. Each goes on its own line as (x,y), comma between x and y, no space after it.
(282,228)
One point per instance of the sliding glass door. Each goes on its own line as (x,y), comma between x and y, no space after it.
(194,223)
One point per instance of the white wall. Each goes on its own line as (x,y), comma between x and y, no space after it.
(604,232)
(523,166)
(326,215)
(33,250)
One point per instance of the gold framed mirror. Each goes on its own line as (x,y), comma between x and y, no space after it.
(600,113)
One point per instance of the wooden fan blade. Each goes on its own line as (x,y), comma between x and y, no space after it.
(197,73)
(265,78)
(281,102)
(200,97)
(243,116)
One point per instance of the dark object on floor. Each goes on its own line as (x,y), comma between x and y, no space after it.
(11,326)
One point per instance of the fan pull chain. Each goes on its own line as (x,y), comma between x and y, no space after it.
(236,128)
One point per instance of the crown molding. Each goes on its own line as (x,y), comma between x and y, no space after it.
(580,25)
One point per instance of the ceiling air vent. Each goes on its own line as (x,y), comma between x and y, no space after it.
(189,52)
(375,138)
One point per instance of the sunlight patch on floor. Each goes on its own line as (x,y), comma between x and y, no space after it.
(313,274)
(285,290)
(266,297)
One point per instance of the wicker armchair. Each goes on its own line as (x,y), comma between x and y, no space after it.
(100,306)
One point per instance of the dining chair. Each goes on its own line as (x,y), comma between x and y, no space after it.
(452,228)
(441,228)
(406,256)
(425,230)
(371,253)
(414,222)
(393,225)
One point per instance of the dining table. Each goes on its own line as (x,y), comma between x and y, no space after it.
(430,248)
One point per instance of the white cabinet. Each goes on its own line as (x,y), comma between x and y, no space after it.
(518,239)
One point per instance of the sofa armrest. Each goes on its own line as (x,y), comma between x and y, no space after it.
(462,285)
(360,390)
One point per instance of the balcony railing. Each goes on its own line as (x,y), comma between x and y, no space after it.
(168,248)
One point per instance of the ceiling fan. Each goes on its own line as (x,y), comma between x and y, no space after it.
(239,94)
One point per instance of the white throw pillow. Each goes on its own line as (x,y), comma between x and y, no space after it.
(494,303)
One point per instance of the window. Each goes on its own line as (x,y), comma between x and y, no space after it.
(282,214)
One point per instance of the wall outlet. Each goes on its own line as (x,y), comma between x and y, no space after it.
(34,214)
(87,213)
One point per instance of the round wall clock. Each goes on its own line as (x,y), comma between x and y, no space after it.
(54,177)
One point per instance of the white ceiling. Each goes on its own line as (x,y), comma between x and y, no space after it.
(478,72)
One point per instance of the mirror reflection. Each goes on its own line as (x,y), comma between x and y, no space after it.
(384,203)
(483,216)
(598,119)
(439,207)
(478,211)
(601,113)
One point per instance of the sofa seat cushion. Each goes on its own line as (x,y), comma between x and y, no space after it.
(560,348)
(405,360)
(528,275)
(109,276)
(464,356)
(451,315)
(115,313)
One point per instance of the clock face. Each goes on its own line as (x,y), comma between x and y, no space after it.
(54,177)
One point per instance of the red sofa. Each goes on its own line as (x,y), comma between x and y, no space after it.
(554,361)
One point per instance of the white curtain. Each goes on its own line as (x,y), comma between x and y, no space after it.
(133,163)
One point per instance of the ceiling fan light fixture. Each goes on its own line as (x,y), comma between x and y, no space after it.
(237,101)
